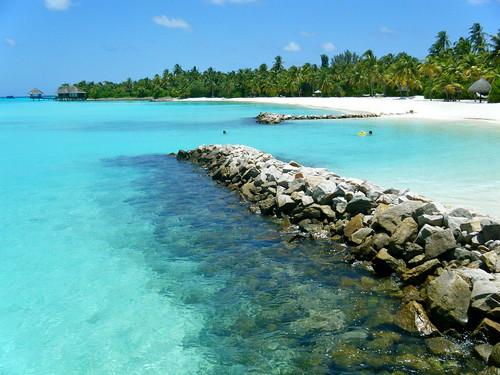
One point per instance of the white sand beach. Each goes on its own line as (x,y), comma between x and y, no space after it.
(422,108)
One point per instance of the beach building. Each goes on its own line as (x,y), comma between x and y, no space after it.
(71,93)
(481,88)
(35,94)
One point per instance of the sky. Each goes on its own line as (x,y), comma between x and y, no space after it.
(44,43)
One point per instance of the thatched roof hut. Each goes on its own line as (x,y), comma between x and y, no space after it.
(481,86)
(71,93)
(35,94)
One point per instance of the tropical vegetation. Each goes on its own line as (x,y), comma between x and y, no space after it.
(447,71)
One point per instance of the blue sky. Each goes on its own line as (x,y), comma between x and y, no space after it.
(46,42)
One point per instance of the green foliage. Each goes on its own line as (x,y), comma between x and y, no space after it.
(494,96)
(446,73)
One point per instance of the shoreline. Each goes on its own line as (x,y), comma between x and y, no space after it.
(425,109)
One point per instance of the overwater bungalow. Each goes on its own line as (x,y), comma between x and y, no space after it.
(71,93)
(35,94)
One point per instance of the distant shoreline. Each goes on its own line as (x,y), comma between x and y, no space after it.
(466,110)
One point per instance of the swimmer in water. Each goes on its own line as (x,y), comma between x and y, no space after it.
(370,132)
(224,132)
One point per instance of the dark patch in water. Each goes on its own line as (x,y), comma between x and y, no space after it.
(269,306)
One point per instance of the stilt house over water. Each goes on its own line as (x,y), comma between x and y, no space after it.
(71,93)
(35,94)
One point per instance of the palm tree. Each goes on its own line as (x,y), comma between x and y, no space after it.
(441,45)
(477,38)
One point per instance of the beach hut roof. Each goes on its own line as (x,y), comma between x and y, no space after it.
(35,92)
(481,86)
(317,92)
(70,90)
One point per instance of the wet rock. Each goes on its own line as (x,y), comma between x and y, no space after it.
(494,358)
(384,340)
(489,330)
(416,261)
(411,293)
(182,155)
(365,251)
(448,297)
(483,351)
(385,264)
(418,274)
(439,242)
(411,250)
(267,206)
(327,212)
(353,225)
(413,318)
(405,231)
(359,204)
(454,223)
(442,346)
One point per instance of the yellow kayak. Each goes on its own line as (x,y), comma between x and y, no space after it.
(362,133)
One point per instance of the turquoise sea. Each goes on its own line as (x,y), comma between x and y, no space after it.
(116,259)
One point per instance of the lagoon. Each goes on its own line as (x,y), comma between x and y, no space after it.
(118,259)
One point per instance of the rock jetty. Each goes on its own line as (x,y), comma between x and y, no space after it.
(277,118)
(448,260)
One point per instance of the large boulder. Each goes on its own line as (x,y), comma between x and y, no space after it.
(353,225)
(439,243)
(434,220)
(448,297)
(405,231)
(490,232)
(359,204)
(285,203)
(489,330)
(413,318)
(390,218)
(494,358)
(323,192)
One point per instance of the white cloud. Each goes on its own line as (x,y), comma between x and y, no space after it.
(292,47)
(385,30)
(10,42)
(478,2)
(328,46)
(172,23)
(222,2)
(57,4)
(306,34)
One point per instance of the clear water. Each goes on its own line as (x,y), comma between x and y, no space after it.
(119,260)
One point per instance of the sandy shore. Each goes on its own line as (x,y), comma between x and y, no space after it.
(422,108)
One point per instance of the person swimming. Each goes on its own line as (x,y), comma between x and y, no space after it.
(224,132)
(370,132)
(362,133)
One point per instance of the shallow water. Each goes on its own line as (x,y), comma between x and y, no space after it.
(118,259)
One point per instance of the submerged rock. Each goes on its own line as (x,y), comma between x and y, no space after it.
(413,318)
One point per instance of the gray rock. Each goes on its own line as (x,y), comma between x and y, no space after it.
(489,330)
(405,231)
(413,318)
(340,204)
(392,217)
(267,206)
(430,208)
(359,204)
(425,232)
(482,288)
(327,212)
(454,223)
(471,226)
(285,203)
(438,243)
(434,220)
(448,298)
(474,275)
(307,200)
(323,192)
(360,235)
(490,232)
(416,261)
(461,212)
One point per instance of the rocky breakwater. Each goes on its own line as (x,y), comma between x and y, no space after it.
(447,261)
(277,118)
